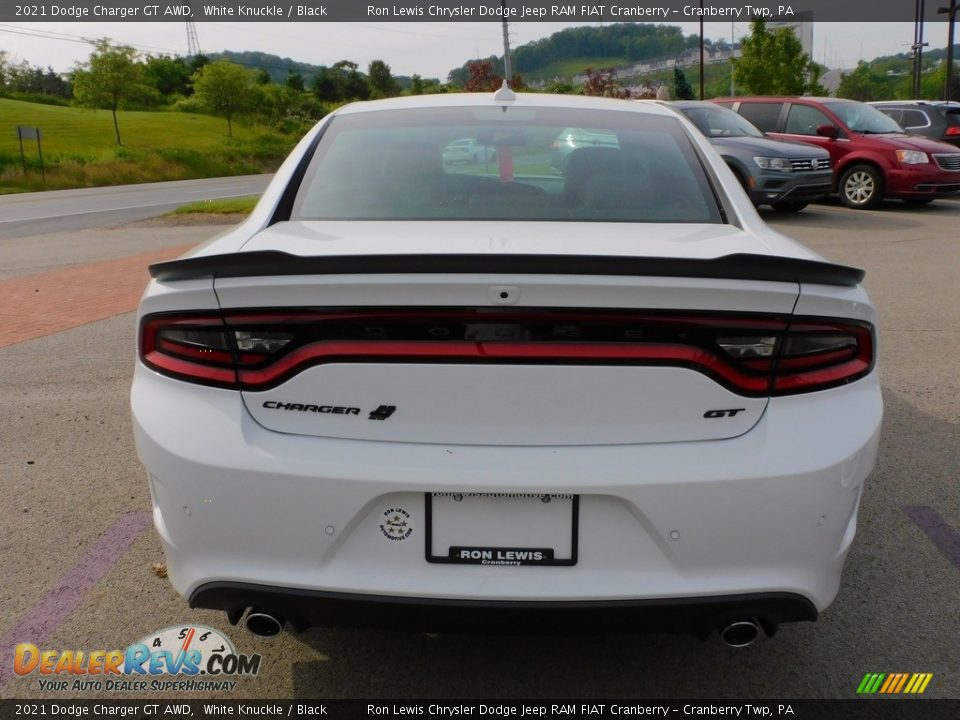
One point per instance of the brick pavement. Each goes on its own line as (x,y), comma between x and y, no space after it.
(33,306)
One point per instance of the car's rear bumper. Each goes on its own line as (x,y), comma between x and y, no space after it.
(308,608)
(771,511)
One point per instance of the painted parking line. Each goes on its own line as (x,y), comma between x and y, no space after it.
(936,528)
(40,622)
(34,306)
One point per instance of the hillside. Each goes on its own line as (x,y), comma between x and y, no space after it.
(280,67)
(79,149)
(566,53)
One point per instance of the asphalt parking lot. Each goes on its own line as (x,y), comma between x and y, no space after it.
(77,543)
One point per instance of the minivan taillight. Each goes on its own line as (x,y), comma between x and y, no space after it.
(750,354)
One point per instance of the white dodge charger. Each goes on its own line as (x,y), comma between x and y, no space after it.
(496,397)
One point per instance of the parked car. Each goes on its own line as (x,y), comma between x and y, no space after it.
(786,176)
(405,394)
(873,158)
(936,119)
(468,150)
(571,139)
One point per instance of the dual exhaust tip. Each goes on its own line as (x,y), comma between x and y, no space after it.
(738,634)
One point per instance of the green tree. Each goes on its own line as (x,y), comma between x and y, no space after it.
(382,82)
(772,63)
(681,88)
(416,85)
(353,85)
(168,76)
(295,81)
(326,85)
(110,78)
(225,89)
(263,77)
(864,84)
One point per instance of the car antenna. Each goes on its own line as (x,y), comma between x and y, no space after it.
(505,94)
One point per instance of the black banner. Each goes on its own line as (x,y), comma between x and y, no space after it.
(604,709)
(660,11)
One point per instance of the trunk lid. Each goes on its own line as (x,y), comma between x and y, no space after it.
(508,359)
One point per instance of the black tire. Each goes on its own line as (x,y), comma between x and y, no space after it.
(861,187)
(917,202)
(789,206)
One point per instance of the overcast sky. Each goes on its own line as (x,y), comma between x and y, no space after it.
(430,49)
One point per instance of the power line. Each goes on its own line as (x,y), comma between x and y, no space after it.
(69,37)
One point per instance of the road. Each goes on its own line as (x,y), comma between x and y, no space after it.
(24,214)
(79,543)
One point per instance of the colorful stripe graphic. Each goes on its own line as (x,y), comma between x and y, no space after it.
(894,683)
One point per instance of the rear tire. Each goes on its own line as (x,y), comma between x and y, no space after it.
(788,206)
(861,187)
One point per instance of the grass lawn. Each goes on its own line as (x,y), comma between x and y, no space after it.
(80,150)
(227,206)
(68,130)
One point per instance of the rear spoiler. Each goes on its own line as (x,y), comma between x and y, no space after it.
(740,266)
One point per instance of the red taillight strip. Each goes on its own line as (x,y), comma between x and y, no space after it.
(683,340)
(330,351)
(193,352)
(821,378)
(171,365)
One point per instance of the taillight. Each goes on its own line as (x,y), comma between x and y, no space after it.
(953,130)
(753,355)
(817,354)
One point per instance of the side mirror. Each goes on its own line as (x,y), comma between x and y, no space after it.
(828,131)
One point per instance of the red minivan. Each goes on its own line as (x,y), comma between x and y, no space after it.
(872,156)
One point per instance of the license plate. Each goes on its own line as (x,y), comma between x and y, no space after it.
(501,529)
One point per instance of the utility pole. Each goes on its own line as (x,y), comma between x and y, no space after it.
(951,19)
(507,69)
(918,45)
(701,50)
(732,55)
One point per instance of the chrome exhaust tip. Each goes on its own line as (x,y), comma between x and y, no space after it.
(263,624)
(740,634)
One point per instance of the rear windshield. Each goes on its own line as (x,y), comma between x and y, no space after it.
(539,164)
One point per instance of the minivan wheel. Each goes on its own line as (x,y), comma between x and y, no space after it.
(861,187)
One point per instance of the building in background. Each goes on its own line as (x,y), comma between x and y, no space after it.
(802,26)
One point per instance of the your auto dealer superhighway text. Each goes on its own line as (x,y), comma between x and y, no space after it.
(573,709)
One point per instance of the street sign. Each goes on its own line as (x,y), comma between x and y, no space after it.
(29,133)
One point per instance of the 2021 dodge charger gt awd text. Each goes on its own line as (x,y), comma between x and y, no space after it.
(455,397)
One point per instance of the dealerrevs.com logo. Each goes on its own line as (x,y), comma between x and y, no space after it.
(179,658)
